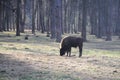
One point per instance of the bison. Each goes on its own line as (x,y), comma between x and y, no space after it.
(68,42)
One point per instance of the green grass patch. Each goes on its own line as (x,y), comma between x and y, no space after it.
(44,45)
(46,75)
(99,52)
(3,77)
(40,44)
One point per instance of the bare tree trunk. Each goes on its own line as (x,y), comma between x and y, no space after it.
(79,16)
(118,20)
(17,18)
(33,17)
(100,18)
(52,19)
(109,18)
(23,15)
(65,16)
(34,10)
(41,16)
(48,17)
(84,19)
(58,20)
(1,17)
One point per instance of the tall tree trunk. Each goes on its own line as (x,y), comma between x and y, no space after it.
(93,17)
(118,20)
(41,16)
(65,16)
(52,19)
(79,16)
(1,17)
(84,19)
(23,15)
(17,18)
(48,18)
(33,17)
(58,20)
(100,18)
(109,19)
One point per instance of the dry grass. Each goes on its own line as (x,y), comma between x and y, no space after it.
(38,59)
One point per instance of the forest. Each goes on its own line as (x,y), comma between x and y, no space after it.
(31,32)
(57,17)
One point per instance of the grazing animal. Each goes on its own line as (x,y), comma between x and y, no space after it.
(68,42)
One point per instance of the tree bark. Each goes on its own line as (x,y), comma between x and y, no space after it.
(109,18)
(52,19)
(17,18)
(84,20)
(58,20)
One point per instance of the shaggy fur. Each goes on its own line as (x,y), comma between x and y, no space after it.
(68,42)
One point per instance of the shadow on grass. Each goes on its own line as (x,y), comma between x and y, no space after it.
(103,45)
(15,69)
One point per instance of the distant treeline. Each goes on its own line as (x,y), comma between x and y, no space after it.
(56,17)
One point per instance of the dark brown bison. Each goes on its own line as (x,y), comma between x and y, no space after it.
(69,42)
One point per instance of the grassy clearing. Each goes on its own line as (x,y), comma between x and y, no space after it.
(99,57)
(39,44)
(42,44)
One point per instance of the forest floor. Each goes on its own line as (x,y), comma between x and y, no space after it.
(38,59)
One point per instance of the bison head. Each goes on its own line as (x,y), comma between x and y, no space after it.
(62,52)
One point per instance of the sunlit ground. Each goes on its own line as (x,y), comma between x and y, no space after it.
(38,59)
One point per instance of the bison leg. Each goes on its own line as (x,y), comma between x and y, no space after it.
(80,51)
(69,52)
